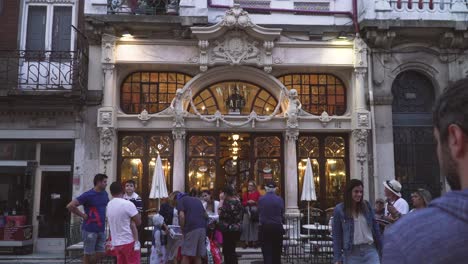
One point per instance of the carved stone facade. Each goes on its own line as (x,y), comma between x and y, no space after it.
(236,41)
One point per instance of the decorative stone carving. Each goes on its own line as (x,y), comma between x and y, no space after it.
(454,40)
(360,53)
(236,41)
(292,134)
(144,117)
(105,118)
(234,49)
(107,138)
(363,119)
(236,17)
(178,134)
(108,48)
(360,135)
(178,107)
(380,39)
(293,110)
(108,68)
(325,118)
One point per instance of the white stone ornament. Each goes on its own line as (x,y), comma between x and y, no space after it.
(325,118)
(107,138)
(144,117)
(235,41)
(293,110)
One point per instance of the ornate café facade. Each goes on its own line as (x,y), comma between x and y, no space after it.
(234,101)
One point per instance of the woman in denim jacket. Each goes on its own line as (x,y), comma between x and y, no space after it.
(356,236)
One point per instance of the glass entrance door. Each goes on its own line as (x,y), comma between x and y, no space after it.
(217,159)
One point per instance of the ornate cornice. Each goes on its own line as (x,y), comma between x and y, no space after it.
(235,41)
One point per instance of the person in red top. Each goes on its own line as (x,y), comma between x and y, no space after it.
(250,222)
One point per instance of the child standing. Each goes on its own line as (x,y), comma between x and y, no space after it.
(133,197)
(159,241)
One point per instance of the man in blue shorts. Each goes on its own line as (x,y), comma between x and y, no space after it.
(193,221)
(94,202)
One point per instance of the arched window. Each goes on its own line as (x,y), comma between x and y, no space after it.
(318,92)
(152,91)
(234,97)
(415,156)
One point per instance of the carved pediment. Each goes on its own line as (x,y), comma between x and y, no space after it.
(236,41)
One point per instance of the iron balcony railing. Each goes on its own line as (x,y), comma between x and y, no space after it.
(142,7)
(43,70)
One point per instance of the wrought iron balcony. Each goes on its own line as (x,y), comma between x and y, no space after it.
(27,70)
(142,7)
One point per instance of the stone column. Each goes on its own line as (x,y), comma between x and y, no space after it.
(178,179)
(290,181)
(384,141)
(361,122)
(106,120)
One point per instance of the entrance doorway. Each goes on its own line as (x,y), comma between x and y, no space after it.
(216,159)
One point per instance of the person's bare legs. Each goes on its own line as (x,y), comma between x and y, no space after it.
(198,260)
(185,260)
(99,257)
(89,259)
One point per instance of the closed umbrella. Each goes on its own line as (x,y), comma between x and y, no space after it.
(308,188)
(158,185)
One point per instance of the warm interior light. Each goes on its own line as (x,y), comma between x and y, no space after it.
(331,161)
(234,157)
(342,35)
(235,137)
(235,149)
(126,34)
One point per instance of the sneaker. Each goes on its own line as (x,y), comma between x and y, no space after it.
(137,246)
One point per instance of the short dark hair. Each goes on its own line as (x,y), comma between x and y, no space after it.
(115,188)
(228,190)
(131,181)
(99,178)
(451,108)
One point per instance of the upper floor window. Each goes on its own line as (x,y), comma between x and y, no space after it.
(152,91)
(318,92)
(49,27)
(236,98)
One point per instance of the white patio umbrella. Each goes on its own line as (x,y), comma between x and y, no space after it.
(308,188)
(158,185)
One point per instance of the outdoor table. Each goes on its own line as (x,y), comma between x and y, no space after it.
(317,227)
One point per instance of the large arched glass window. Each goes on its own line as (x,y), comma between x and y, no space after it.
(152,91)
(233,97)
(318,92)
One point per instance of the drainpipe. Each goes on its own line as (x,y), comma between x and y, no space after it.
(352,15)
(374,136)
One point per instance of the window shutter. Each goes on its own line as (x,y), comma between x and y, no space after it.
(61,31)
(35,36)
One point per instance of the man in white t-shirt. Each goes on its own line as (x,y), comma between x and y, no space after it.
(120,214)
(396,206)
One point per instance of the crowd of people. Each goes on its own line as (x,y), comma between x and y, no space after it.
(386,232)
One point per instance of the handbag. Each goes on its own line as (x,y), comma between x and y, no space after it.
(254,217)
(215,253)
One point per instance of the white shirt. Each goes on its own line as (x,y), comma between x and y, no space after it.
(401,205)
(362,231)
(119,214)
(212,214)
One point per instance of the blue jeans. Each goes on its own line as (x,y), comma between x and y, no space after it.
(93,242)
(362,254)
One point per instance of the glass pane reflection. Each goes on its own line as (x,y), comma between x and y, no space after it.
(132,169)
(202,173)
(335,173)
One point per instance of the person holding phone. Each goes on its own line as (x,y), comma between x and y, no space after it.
(396,206)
